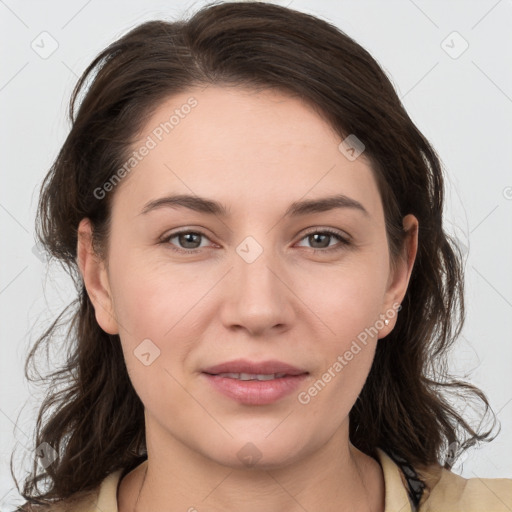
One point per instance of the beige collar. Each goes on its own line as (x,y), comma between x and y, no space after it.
(396,497)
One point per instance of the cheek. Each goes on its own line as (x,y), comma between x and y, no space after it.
(157,306)
(152,296)
(346,358)
(331,396)
(151,307)
(346,299)
(348,305)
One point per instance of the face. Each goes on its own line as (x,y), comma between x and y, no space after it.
(258,274)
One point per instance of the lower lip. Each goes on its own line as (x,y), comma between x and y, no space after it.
(255,392)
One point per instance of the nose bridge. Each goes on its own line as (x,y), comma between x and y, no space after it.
(258,297)
(254,271)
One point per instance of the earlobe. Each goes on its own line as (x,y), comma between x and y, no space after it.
(95,277)
(399,279)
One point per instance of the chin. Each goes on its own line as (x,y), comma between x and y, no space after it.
(258,453)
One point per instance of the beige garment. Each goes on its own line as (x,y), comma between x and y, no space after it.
(445,492)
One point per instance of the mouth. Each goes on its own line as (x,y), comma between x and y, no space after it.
(254,383)
(251,376)
(244,367)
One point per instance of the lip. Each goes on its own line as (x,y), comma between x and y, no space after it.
(245,366)
(254,392)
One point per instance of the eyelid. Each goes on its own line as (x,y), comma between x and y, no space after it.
(330,231)
(165,239)
(344,240)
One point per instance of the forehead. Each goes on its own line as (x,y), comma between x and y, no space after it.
(257,148)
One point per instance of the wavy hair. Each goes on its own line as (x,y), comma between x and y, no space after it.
(92,417)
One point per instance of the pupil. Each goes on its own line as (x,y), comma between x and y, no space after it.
(315,237)
(188,238)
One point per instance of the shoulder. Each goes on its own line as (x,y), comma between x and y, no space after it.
(84,502)
(444,490)
(447,491)
(102,498)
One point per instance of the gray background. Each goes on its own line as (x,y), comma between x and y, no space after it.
(461,100)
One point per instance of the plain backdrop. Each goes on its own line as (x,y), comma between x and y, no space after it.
(450,63)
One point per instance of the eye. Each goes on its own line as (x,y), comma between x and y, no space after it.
(187,239)
(190,241)
(320,238)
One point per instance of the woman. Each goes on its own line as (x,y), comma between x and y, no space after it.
(266,291)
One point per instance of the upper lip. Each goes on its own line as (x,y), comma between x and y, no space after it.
(254,367)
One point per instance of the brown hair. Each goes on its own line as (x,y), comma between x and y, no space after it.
(96,423)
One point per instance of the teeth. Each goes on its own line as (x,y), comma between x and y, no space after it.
(252,376)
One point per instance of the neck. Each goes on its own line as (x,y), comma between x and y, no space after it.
(335,477)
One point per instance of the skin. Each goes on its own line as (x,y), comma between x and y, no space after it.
(256,152)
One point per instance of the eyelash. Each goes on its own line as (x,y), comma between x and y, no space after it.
(343,241)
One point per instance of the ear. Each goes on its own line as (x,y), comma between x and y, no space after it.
(95,277)
(399,278)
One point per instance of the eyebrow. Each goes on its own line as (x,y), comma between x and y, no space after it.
(296,209)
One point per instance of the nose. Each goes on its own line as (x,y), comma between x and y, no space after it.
(257,297)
